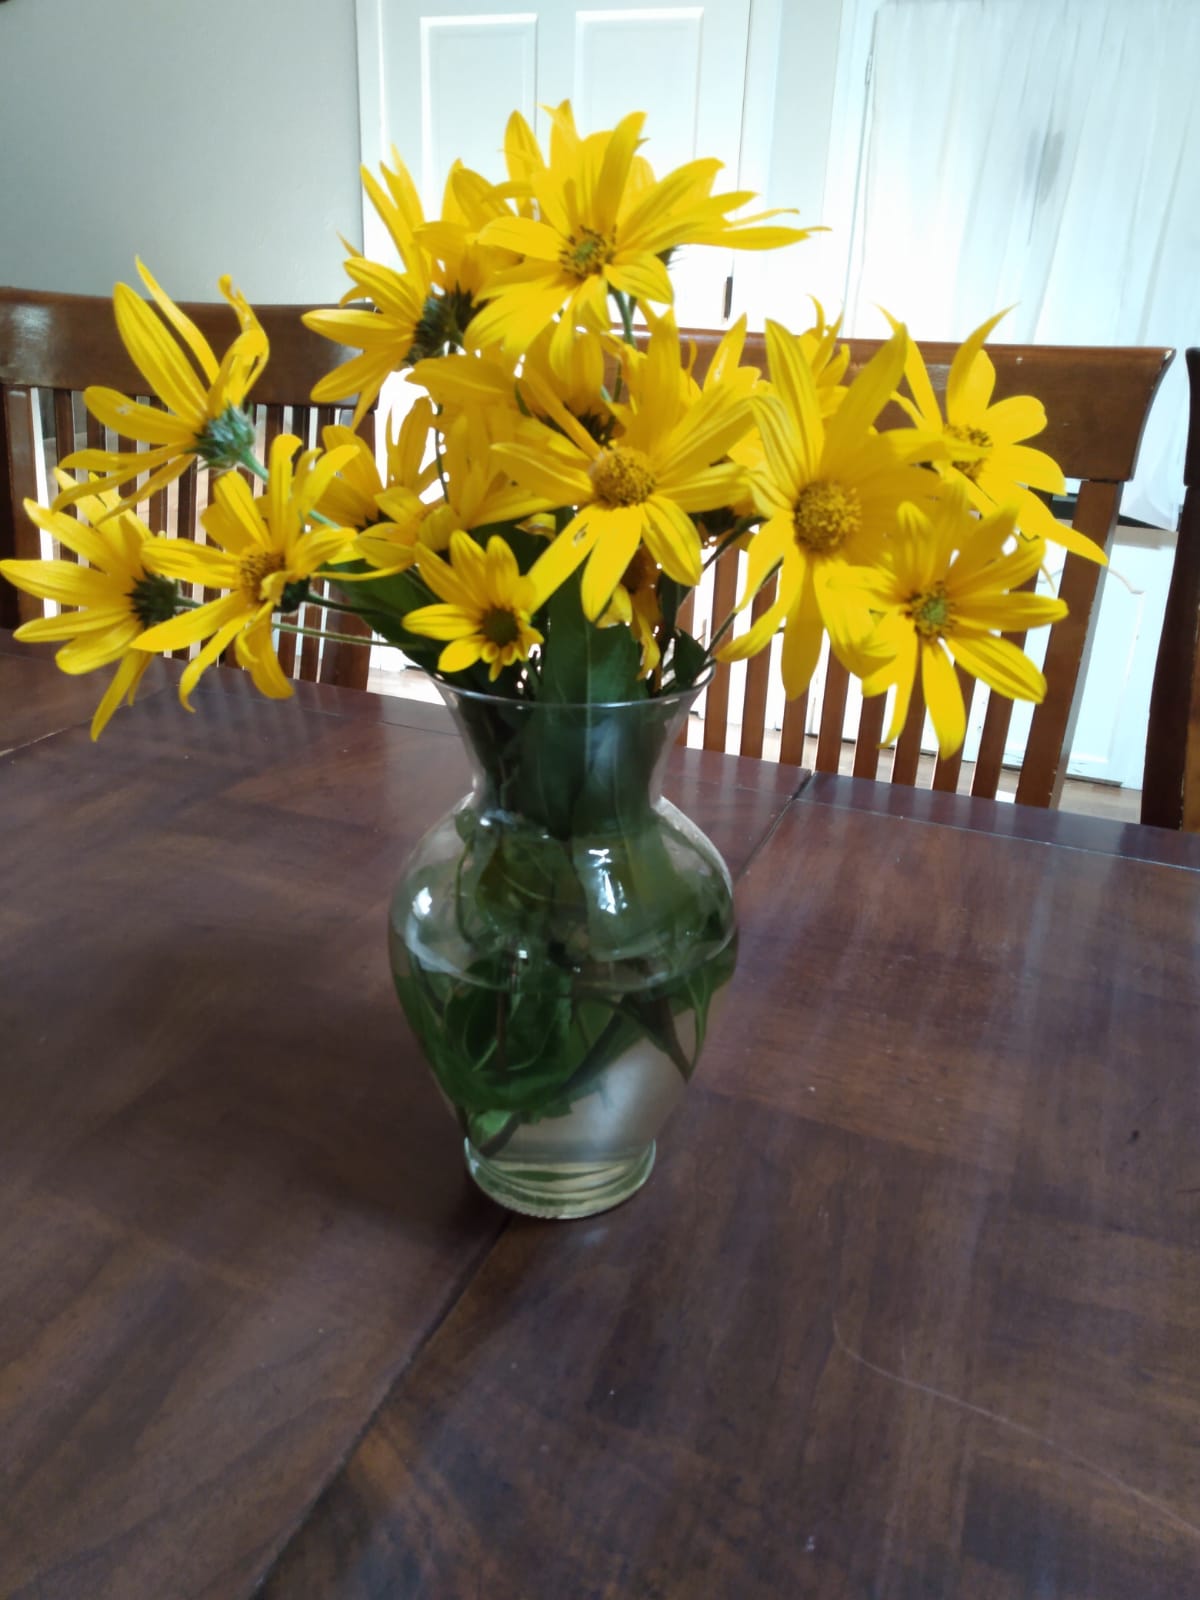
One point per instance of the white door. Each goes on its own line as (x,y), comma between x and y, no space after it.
(439,81)
(952,204)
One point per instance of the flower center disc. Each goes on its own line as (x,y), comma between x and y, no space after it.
(622,477)
(587,255)
(932,614)
(500,626)
(256,566)
(826,515)
(969,469)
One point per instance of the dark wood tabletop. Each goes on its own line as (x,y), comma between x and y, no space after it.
(910,1307)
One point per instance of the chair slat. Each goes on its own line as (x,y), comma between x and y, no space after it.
(791,739)
(833,716)
(1052,729)
(1171,784)
(758,678)
(870,732)
(716,698)
(62,445)
(908,745)
(185,519)
(19,538)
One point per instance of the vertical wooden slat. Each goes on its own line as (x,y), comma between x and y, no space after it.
(273,426)
(185,528)
(791,739)
(156,516)
(1171,781)
(996,719)
(685,618)
(61,445)
(716,699)
(347,665)
(758,678)
(310,648)
(833,716)
(1067,653)
(19,537)
(908,745)
(870,731)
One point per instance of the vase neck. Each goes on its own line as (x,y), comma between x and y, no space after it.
(569,769)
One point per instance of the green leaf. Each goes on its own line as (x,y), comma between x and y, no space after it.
(688,661)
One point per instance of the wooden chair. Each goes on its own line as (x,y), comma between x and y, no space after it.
(1171,785)
(1097,401)
(53,345)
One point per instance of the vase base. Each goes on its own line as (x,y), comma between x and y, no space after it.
(560,1189)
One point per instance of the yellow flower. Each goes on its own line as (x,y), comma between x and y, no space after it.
(944,593)
(479,492)
(488,605)
(459,263)
(261,552)
(635,604)
(597,230)
(986,456)
(829,492)
(641,487)
(424,308)
(118,597)
(492,380)
(204,417)
(389,514)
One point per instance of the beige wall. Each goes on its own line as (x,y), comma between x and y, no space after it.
(219,136)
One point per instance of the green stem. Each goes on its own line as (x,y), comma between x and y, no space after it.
(252,464)
(743,525)
(625,305)
(331,604)
(322,633)
(732,617)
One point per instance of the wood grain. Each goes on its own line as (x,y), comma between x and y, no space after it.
(232,1205)
(910,1308)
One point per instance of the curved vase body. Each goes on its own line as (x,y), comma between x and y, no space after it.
(557,942)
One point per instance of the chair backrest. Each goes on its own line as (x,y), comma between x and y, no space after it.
(1171,783)
(1097,401)
(52,346)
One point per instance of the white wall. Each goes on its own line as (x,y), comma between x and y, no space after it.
(219,136)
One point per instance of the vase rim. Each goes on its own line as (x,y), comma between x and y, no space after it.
(673,696)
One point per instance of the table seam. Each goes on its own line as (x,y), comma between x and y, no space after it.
(453,1299)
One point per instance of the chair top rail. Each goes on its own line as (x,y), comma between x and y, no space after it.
(1097,397)
(68,341)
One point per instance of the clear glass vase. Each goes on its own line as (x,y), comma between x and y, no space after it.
(558,941)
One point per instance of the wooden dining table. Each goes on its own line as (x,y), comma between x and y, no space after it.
(910,1306)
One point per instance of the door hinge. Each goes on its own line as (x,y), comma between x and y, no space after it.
(728,298)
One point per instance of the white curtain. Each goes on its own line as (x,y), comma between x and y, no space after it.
(1044,153)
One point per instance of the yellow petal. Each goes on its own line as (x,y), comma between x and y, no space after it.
(943,696)
(123,685)
(999,664)
(619,533)
(158,357)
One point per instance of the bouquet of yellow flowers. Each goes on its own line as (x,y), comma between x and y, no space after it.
(531,537)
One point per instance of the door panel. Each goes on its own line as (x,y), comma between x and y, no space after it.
(440,85)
